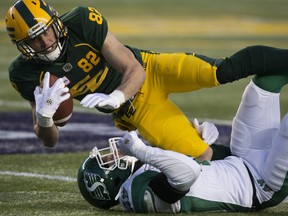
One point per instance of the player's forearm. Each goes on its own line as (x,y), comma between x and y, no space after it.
(181,171)
(49,136)
(132,80)
(123,60)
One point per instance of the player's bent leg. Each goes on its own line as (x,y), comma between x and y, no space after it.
(263,145)
(255,123)
(275,167)
(274,170)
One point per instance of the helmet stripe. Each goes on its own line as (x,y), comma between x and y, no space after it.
(49,10)
(25,13)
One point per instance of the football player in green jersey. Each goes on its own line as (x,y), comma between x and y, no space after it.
(255,177)
(130,83)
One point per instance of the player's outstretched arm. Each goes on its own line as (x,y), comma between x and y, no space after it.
(180,170)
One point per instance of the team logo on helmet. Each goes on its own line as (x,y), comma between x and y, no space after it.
(95,186)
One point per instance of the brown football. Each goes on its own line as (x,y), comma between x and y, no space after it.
(65,110)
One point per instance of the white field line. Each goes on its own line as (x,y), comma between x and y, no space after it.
(39,176)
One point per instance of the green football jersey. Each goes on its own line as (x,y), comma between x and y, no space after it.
(82,66)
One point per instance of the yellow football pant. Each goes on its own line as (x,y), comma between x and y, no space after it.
(157,118)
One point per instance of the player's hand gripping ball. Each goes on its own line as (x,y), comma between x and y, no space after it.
(65,109)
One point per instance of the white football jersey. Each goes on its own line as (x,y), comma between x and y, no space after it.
(222,184)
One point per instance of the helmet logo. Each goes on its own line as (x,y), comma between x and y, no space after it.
(95,186)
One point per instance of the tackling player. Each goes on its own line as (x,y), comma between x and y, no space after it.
(255,177)
(130,83)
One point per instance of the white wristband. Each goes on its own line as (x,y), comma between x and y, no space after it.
(119,95)
(44,121)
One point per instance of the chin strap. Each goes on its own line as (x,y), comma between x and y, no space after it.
(52,56)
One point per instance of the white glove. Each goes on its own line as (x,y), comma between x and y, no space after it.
(110,102)
(48,100)
(208,131)
(129,143)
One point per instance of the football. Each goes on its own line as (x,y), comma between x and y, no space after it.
(65,110)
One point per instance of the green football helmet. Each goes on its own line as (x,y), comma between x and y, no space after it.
(102,173)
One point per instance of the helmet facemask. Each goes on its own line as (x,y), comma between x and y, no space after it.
(110,158)
(40,28)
